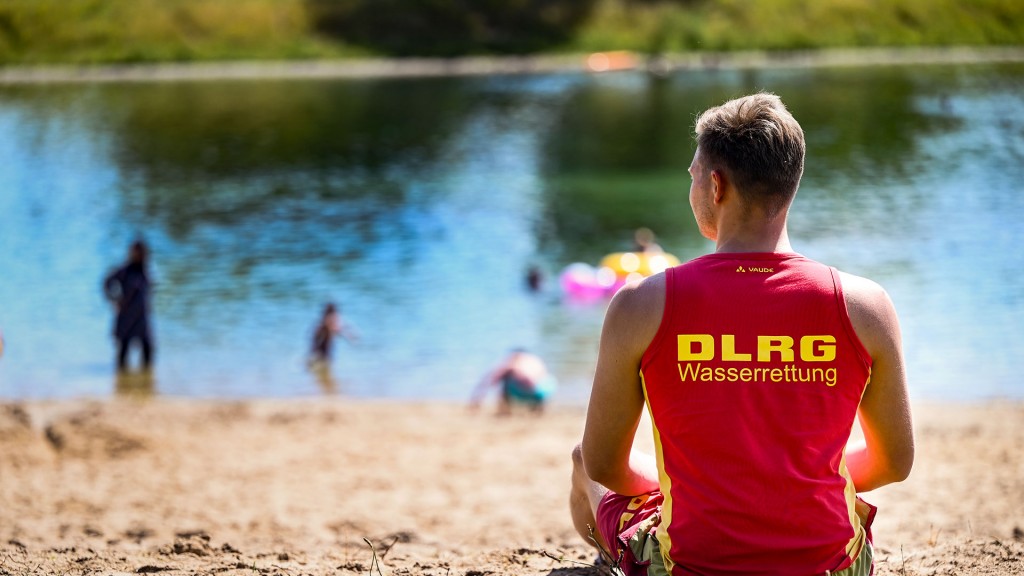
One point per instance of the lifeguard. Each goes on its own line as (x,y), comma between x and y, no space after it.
(752,473)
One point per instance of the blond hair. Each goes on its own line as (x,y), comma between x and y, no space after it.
(758,144)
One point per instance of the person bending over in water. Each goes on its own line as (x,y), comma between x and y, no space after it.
(753,362)
(523,378)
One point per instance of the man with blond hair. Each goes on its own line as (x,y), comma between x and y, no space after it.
(753,362)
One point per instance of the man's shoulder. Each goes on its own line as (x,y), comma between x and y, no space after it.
(639,296)
(860,290)
(870,309)
(636,309)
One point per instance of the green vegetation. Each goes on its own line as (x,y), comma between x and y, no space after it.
(92,31)
(798,24)
(451,27)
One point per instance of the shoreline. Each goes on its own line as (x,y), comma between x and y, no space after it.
(370,68)
(307,486)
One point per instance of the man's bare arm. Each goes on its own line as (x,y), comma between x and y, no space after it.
(887,453)
(617,398)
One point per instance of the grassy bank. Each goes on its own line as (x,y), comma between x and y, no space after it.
(96,31)
(723,25)
(99,31)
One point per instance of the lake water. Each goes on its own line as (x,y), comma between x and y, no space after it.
(419,204)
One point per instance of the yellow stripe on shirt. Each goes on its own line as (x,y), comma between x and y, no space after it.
(664,540)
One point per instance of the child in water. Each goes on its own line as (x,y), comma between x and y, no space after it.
(330,325)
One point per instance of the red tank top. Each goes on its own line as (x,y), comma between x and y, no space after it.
(753,381)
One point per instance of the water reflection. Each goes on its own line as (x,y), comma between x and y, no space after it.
(422,204)
(324,375)
(615,160)
(135,384)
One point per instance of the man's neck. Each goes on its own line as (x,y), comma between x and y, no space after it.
(770,238)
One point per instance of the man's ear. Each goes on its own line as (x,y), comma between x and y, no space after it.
(718,182)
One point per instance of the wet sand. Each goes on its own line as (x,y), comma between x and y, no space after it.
(176,486)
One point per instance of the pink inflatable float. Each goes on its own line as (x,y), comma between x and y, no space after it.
(582,280)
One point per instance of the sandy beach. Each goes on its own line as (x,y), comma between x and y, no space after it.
(177,486)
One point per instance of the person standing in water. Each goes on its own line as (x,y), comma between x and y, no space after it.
(129,289)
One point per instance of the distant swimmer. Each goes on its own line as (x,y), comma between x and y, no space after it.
(644,242)
(524,379)
(534,279)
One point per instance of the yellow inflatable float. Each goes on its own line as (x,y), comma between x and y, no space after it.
(642,263)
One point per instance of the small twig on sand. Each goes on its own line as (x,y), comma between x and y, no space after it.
(564,559)
(389,547)
(375,561)
(614,564)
